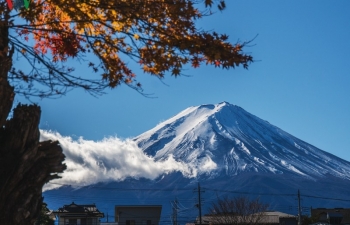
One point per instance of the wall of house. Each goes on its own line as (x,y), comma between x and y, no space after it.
(134,215)
(78,221)
(321,214)
(288,221)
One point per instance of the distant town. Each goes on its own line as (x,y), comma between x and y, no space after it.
(89,214)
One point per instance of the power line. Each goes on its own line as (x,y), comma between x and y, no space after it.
(79,194)
(248,193)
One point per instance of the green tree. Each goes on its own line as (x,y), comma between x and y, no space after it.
(160,35)
(44,218)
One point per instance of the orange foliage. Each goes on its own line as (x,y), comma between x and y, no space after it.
(161,35)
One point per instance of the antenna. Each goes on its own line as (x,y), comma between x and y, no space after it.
(299,209)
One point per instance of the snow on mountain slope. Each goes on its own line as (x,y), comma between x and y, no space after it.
(225,139)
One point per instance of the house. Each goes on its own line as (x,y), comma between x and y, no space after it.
(75,214)
(331,215)
(265,218)
(138,214)
(275,217)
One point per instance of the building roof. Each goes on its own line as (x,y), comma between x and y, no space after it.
(333,213)
(132,206)
(277,213)
(268,217)
(75,210)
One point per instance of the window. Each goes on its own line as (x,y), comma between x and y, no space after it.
(146,222)
(130,222)
(87,221)
(72,222)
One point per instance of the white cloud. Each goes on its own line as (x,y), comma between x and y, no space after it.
(206,165)
(111,159)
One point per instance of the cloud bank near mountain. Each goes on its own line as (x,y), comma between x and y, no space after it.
(111,159)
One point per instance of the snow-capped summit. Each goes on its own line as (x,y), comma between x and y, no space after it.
(225,139)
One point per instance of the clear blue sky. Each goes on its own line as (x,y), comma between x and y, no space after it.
(299,82)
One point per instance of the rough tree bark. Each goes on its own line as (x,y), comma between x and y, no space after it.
(25,163)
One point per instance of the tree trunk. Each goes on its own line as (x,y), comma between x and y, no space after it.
(25,163)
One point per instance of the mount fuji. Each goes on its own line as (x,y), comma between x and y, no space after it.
(228,151)
(225,139)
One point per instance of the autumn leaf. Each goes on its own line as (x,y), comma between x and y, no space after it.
(161,36)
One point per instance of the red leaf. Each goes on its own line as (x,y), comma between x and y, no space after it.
(9,2)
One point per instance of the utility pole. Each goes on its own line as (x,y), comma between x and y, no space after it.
(299,209)
(199,204)
(175,211)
